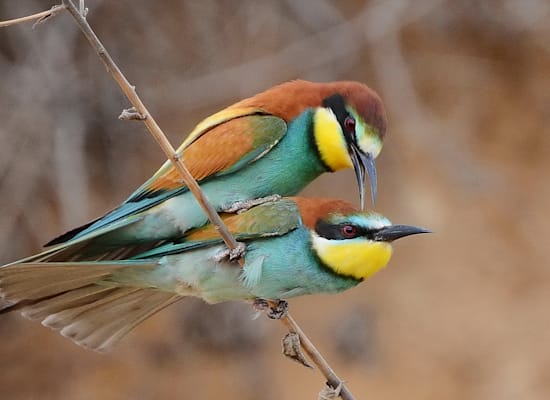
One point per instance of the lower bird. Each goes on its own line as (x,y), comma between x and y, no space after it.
(294,247)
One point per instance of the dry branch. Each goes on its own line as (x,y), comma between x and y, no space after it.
(139,111)
(38,17)
(130,92)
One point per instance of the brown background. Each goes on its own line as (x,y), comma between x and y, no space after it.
(460,314)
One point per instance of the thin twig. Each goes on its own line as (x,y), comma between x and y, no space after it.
(151,124)
(39,17)
(317,358)
(174,157)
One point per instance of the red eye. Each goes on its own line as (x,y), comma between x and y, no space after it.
(349,231)
(349,123)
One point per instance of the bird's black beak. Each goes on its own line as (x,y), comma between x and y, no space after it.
(393,232)
(364,162)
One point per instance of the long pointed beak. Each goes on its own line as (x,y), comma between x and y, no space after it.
(364,162)
(393,232)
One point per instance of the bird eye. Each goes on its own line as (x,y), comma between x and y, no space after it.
(349,231)
(349,123)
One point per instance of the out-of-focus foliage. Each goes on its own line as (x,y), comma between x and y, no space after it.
(460,314)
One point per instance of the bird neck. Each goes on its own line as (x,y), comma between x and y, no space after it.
(357,258)
(329,139)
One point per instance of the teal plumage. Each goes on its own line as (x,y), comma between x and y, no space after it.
(295,247)
(269,144)
(197,273)
(257,180)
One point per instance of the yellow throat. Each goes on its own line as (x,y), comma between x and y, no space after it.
(330,140)
(358,258)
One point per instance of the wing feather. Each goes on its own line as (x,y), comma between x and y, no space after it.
(221,144)
(268,219)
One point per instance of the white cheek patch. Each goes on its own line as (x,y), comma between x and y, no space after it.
(370,143)
(378,221)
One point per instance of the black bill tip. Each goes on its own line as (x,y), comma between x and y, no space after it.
(394,232)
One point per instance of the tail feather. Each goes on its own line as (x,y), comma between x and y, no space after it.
(90,247)
(72,299)
(38,280)
(79,301)
(101,324)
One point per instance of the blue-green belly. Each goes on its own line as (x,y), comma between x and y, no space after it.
(289,269)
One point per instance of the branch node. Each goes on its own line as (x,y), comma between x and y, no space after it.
(131,114)
(292,349)
(39,17)
(82,9)
(329,392)
(52,12)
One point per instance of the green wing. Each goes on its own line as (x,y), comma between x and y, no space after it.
(220,145)
(269,219)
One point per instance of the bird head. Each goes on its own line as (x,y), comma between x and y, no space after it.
(349,129)
(359,244)
(349,122)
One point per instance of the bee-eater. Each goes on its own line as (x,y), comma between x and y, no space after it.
(275,142)
(295,247)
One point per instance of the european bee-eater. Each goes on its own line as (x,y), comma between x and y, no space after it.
(295,247)
(275,142)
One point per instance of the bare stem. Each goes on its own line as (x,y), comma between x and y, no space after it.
(317,358)
(39,17)
(151,124)
(173,156)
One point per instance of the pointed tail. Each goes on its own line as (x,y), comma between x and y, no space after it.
(77,300)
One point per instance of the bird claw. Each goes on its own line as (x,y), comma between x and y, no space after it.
(275,309)
(231,254)
(291,342)
(245,205)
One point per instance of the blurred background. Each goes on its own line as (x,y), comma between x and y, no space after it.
(460,314)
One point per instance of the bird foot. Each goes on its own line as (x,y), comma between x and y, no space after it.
(231,254)
(275,309)
(245,205)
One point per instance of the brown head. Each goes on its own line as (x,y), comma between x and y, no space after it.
(349,122)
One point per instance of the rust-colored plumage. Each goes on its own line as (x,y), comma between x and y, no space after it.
(313,209)
(222,147)
(226,137)
(266,221)
(289,99)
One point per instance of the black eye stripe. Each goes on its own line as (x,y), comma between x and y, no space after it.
(335,231)
(338,106)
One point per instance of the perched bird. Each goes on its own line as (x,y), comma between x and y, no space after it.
(275,142)
(295,246)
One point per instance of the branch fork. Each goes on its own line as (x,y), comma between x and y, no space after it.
(131,113)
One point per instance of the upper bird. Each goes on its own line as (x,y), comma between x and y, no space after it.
(275,142)
(295,246)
